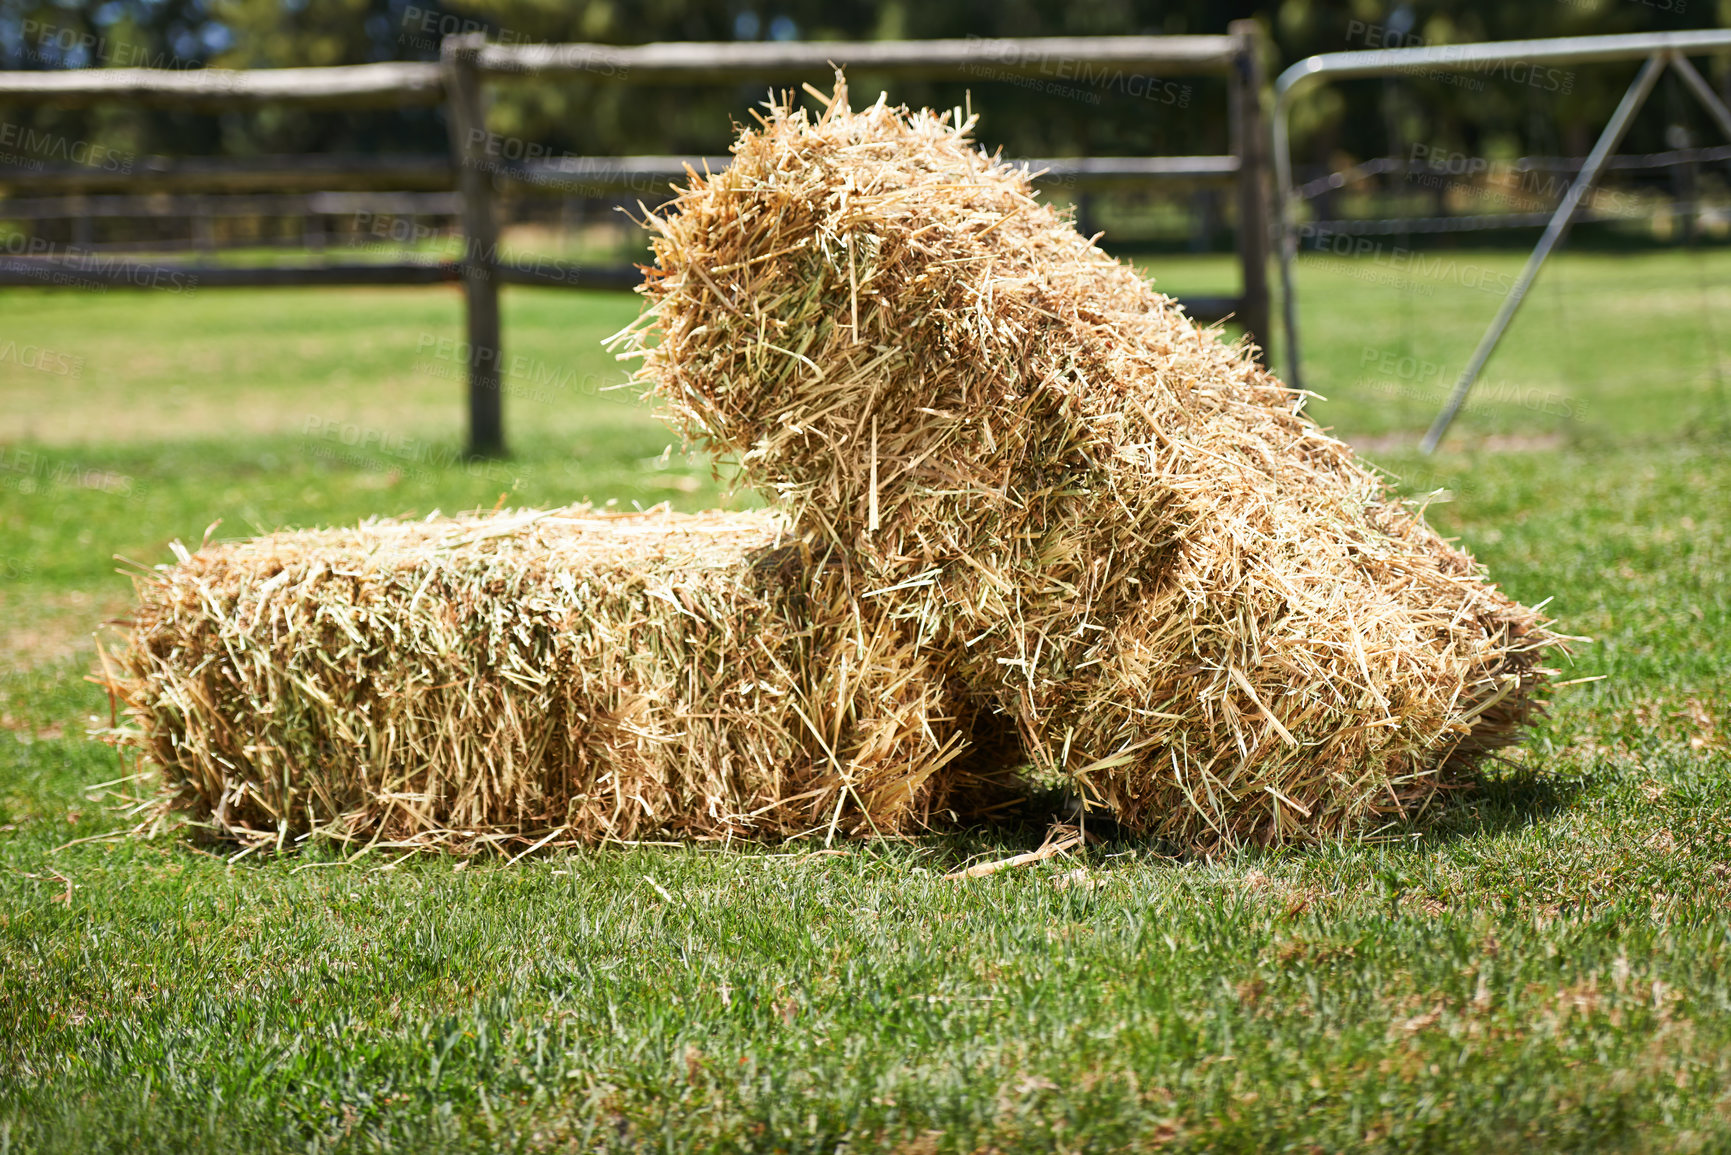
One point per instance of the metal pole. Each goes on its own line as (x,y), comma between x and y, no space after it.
(468,126)
(1607,144)
(1703,91)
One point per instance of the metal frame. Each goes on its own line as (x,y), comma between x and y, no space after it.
(1658,49)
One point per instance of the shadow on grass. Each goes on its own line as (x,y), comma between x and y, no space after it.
(1035,821)
(1495,804)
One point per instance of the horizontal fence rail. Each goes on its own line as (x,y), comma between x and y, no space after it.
(343,86)
(1061,57)
(146,205)
(644,174)
(90,268)
(1464,223)
(1398,166)
(410,83)
(275,174)
(317,173)
(105,270)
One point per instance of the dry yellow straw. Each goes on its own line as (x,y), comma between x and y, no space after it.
(538,678)
(1199,610)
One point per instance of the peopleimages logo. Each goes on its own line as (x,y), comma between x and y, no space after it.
(1454,69)
(39,144)
(491,152)
(1433,166)
(1061,75)
(1405,262)
(55,264)
(28,472)
(41,358)
(366,447)
(520,376)
(424,28)
(1417,379)
(56,45)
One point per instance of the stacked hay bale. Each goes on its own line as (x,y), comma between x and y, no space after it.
(1201,611)
(532,678)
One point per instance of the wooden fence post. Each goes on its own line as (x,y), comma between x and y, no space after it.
(468,126)
(1249,141)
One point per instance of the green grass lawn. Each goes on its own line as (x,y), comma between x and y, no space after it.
(1541,968)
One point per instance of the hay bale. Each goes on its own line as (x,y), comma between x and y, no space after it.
(1203,612)
(521,678)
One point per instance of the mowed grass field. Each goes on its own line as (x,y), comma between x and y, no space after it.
(1544,967)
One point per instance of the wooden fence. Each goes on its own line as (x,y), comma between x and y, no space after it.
(459,81)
